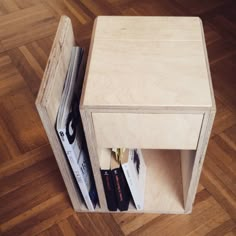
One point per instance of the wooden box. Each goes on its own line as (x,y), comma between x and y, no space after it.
(147,85)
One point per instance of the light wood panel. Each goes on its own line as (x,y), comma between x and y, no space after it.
(187,158)
(49,98)
(165,194)
(94,157)
(157,131)
(153,62)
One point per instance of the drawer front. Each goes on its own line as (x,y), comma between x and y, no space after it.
(159,131)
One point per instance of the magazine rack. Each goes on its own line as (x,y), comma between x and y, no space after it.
(147,85)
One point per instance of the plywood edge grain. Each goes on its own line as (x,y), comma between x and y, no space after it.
(94,156)
(52,61)
(83,94)
(187,158)
(213,107)
(45,102)
(199,158)
(147,109)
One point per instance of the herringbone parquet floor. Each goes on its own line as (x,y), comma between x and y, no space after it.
(33,198)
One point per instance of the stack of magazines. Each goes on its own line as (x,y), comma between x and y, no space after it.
(70,130)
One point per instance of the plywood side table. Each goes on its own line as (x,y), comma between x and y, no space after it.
(147,85)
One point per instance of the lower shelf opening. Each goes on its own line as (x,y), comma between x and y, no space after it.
(168,177)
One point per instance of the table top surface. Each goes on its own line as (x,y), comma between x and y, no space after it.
(147,62)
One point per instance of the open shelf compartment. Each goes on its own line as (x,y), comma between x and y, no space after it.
(167,179)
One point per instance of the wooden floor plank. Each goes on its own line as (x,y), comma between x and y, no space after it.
(98,223)
(10,5)
(222,193)
(30,61)
(32,23)
(197,7)
(131,222)
(67,228)
(225,118)
(23,177)
(19,114)
(25,217)
(224,80)
(10,79)
(30,195)
(25,160)
(206,217)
